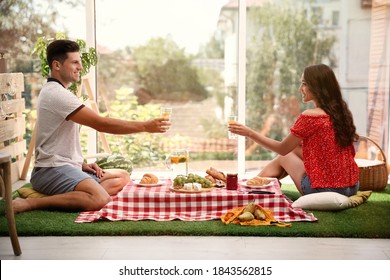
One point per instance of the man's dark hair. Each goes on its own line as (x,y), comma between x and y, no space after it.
(59,49)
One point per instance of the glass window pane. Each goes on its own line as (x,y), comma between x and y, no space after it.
(282,38)
(285,36)
(155,54)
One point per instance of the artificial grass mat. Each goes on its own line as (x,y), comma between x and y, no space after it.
(369,220)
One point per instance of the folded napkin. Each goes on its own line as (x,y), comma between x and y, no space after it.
(232,217)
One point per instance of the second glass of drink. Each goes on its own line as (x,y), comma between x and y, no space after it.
(232,119)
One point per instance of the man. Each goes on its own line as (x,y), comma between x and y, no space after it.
(60,171)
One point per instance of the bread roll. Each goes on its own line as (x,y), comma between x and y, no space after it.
(149,178)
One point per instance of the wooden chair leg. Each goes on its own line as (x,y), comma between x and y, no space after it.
(7,195)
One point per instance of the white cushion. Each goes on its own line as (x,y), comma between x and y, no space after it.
(330,201)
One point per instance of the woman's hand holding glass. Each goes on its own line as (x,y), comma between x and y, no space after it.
(240,129)
(231,119)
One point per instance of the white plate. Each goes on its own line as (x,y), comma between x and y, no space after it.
(138,184)
(257,187)
(187,191)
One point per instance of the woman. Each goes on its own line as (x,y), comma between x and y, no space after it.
(318,154)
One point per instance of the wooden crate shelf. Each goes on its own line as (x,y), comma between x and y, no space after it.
(12,122)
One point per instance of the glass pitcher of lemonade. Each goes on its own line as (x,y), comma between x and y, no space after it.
(177,162)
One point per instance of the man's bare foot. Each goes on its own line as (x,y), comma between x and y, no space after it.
(21,205)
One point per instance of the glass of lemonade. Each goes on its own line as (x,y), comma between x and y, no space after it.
(232,119)
(166,112)
(177,162)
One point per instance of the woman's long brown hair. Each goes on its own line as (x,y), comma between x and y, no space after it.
(323,84)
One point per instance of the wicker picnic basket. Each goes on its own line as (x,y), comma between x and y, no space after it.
(373,174)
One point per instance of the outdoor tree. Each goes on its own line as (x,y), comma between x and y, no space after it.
(285,41)
(118,64)
(165,71)
(214,48)
(22,22)
(214,127)
(141,148)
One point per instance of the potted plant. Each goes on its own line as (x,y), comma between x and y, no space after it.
(88,56)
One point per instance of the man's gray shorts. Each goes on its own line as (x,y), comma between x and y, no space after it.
(56,180)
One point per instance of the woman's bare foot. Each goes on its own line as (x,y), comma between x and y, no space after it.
(21,205)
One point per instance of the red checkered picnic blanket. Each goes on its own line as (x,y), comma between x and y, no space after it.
(160,203)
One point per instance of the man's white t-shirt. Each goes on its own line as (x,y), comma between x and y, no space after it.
(57,139)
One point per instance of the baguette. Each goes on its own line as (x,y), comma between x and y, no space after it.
(211,179)
(218,175)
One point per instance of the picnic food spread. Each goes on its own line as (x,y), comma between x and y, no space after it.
(194,197)
(163,202)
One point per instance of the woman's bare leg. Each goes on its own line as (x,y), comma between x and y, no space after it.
(274,168)
(291,163)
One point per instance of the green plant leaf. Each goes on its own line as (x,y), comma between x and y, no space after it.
(88,56)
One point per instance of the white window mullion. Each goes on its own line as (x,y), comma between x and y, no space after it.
(241,81)
(90,22)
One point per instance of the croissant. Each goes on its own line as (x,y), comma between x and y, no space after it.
(258,181)
(218,175)
(149,178)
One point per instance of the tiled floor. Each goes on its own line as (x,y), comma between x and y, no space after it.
(195,248)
